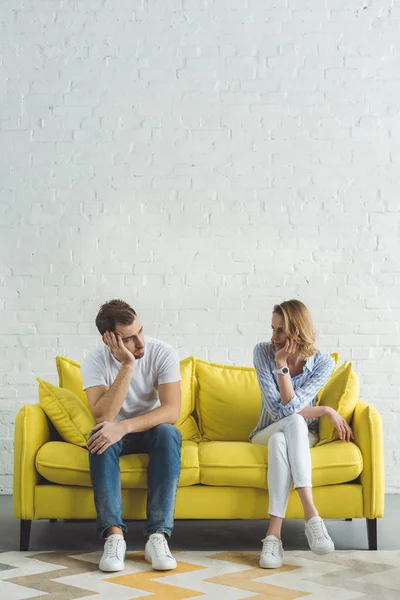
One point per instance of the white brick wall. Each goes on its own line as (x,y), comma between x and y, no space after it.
(202,160)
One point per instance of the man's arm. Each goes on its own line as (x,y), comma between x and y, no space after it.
(105,403)
(170,400)
(108,433)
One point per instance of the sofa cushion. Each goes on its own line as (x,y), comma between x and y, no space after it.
(69,376)
(335,356)
(186,422)
(242,464)
(228,401)
(69,415)
(67,464)
(341,393)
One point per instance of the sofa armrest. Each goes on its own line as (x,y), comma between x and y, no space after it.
(367,427)
(32,430)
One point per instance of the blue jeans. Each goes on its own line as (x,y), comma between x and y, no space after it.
(163,444)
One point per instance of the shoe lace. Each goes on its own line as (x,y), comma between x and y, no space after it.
(113,548)
(270,546)
(160,546)
(318,529)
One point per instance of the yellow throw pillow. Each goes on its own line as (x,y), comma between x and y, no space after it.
(72,419)
(340,393)
(186,423)
(69,377)
(229,401)
(335,356)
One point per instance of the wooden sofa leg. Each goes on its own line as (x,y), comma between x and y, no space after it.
(372,534)
(25,534)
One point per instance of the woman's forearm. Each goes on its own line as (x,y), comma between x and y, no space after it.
(285,384)
(311,412)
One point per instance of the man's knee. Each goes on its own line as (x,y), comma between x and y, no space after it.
(110,454)
(167,434)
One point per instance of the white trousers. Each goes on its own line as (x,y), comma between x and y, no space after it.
(289,443)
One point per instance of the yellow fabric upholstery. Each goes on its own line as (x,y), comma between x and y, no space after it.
(32,430)
(228,401)
(67,464)
(200,502)
(220,479)
(340,393)
(69,377)
(335,356)
(186,423)
(245,465)
(69,415)
(368,433)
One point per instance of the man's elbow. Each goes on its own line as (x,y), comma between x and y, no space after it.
(173,416)
(174,419)
(103,419)
(101,416)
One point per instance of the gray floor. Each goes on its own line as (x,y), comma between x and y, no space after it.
(200,535)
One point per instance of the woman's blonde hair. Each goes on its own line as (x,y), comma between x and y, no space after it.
(298,325)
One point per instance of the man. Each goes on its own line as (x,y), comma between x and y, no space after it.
(133,387)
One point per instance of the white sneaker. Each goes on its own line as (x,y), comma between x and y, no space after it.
(271,553)
(114,553)
(318,537)
(158,554)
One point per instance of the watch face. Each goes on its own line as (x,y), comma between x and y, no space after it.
(285,370)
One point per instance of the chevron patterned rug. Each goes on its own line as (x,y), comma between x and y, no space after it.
(343,575)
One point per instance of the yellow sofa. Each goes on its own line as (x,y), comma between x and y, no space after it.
(223,476)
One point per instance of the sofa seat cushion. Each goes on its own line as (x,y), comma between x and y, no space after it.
(242,464)
(68,464)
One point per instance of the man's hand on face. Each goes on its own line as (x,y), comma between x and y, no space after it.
(104,435)
(116,346)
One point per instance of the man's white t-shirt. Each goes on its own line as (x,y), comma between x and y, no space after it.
(160,364)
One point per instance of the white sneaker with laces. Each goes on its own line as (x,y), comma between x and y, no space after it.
(158,554)
(271,553)
(114,553)
(318,536)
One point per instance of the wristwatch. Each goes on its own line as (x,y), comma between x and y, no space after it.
(282,371)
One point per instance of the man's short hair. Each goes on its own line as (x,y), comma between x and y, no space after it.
(113,312)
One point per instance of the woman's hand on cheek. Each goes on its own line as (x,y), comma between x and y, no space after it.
(290,349)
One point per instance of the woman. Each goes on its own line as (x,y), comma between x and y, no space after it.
(290,372)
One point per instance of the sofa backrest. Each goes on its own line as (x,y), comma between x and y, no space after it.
(228,401)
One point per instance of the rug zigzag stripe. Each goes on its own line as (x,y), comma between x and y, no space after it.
(215,575)
(245,580)
(149,581)
(47,582)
